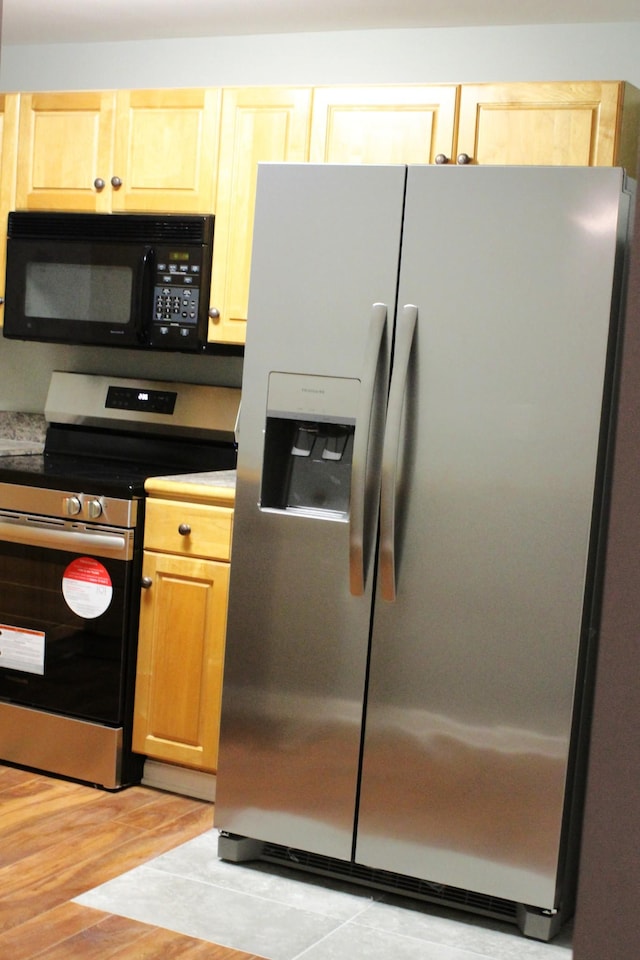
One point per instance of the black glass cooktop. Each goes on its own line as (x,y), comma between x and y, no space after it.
(111,464)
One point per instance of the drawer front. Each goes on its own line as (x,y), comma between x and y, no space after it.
(188,529)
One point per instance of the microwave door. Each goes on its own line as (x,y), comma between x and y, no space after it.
(74,292)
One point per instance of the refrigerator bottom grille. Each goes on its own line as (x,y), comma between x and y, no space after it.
(484,904)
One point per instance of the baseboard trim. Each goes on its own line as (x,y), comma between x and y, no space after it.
(174,779)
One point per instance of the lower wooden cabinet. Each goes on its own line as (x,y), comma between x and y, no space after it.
(182,631)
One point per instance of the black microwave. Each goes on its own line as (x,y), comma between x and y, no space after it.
(109,279)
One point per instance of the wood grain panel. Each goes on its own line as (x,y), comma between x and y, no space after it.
(388,124)
(166,150)
(258,124)
(539,123)
(210,527)
(59,839)
(50,175)
(182,629)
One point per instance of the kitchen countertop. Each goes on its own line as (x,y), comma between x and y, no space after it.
(217,487)
(21,433)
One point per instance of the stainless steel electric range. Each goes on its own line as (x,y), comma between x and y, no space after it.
(71,533)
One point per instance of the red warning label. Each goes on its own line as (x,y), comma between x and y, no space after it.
(87,587)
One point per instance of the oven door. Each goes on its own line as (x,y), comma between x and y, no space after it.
(78,291)
(68,617)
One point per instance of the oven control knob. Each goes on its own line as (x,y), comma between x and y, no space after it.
(94,509)
(72,506)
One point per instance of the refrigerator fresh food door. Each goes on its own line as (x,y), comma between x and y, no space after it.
(323,291)
(474,664)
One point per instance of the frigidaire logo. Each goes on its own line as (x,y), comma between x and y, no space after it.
(309,390)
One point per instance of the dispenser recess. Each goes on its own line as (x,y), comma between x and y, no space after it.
(308,445)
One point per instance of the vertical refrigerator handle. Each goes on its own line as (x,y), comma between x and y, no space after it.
(405,329)
(359,464)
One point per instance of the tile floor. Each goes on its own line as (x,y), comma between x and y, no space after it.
(283,915)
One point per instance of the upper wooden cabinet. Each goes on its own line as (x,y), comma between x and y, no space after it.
(404,124)
(142,150)
(166,147)
(587,124)
(258,124)
(8,150)
(65,145)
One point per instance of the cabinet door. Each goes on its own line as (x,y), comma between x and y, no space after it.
(65,151)
(539,123)
(9,103)
(165,151)
(180,653)
(258,124)
(411,124)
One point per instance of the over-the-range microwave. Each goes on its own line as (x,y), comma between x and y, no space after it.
(109,279)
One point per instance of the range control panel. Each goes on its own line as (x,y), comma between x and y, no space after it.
(141,398)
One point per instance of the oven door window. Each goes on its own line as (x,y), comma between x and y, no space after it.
(59,660)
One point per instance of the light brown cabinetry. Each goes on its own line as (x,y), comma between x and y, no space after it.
(585,124)
(588,123)
(387,124)
(9,103)
(103,151)
(182,629)
(258,124)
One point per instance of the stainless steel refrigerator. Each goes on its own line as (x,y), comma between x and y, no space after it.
(426,406)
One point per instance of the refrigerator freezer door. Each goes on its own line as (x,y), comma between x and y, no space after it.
(473,667)
(326,255)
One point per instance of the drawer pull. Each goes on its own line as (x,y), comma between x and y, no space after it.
(184,529)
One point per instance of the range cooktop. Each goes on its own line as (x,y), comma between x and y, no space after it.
(128,430)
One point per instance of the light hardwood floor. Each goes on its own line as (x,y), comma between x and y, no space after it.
(59,839)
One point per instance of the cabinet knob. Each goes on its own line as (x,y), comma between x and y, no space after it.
(442,158)
(98,183)
(116,182)
(146,582)
(214,313)
(184,529)
(1,301)
(463,158)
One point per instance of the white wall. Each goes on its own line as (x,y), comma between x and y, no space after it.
(578,52)
(25,369)
(572,52)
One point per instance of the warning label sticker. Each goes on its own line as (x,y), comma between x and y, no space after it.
(22,649)
(87,588)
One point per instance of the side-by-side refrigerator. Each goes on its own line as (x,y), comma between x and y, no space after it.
(421,484)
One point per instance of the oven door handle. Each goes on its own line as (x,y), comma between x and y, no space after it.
(100,544)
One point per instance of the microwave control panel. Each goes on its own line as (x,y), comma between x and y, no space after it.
(176,298)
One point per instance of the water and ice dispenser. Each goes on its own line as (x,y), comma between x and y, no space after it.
(308,445)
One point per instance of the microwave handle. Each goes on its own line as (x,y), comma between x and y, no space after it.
(145,295)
